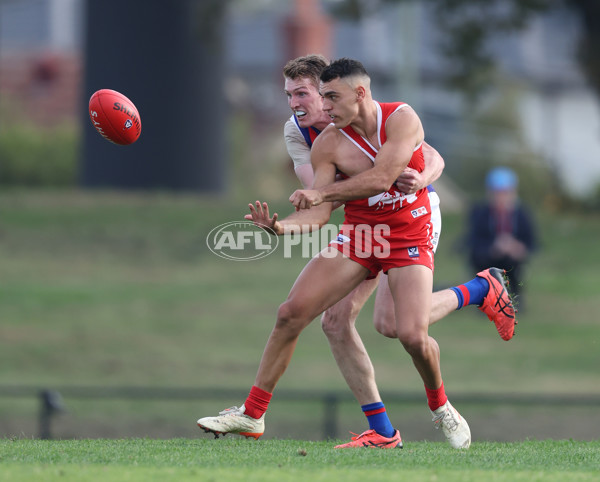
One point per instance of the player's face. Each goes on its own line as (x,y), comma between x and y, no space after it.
(305,101)
(339,102)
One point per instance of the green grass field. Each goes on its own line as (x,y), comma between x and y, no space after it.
(118,290)
(276,460)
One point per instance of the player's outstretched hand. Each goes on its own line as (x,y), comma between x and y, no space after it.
(259,215)
(306,198)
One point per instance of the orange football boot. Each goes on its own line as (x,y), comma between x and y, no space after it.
(371,439)
(497,304)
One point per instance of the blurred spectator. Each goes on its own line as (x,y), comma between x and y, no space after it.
(501,231)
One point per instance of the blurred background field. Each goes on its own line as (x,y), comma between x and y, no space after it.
(108,289)
(106,279)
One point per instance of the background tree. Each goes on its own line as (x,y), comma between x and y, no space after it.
(466,27)
(589,47)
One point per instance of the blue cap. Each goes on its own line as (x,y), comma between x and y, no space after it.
(501,179)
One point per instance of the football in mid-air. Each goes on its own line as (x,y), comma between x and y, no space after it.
(115,117)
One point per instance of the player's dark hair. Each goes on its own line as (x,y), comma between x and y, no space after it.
(341,68)
(309,66)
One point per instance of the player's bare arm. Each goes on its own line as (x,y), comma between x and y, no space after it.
(411,180)
(404,133)
(305,175)
(299,222)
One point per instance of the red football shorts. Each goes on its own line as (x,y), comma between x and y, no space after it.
(406,241)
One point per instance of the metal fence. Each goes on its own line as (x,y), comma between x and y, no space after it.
(51,400)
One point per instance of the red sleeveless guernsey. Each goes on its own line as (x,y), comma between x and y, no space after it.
(390,229)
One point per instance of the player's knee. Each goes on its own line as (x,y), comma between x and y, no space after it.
(328,323)
(415,343)
(335,324)
(387,331)
(386,327)
(290,317)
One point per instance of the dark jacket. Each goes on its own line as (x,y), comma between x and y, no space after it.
(482,232)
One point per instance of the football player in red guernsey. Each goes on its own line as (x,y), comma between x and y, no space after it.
(338,321)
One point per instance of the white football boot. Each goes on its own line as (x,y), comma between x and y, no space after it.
(233,420)
(455,428)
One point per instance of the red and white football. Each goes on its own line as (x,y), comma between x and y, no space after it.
(115,117)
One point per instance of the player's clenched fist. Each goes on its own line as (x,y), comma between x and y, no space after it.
(306,198)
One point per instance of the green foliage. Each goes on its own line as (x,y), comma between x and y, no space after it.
(492,137)
(589,44)
(30,156)
(465,28)
(591,203)
(292,460)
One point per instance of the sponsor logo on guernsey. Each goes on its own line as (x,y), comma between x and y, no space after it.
(419,212)
(341,239)
(413,252)
(395,198)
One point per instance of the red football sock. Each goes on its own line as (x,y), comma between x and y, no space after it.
(436,398)
(257,402)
